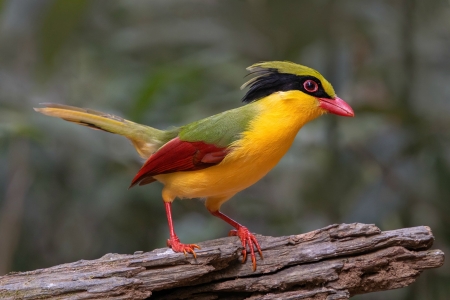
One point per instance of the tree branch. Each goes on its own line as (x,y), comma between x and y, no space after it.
(331,263)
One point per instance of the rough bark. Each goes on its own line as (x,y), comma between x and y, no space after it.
(332,263)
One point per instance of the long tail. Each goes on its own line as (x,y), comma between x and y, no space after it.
(145,139)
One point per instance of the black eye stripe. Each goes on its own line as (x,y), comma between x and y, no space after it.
(275,82)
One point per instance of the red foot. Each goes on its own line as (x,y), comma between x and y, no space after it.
(174,243)
(247,238)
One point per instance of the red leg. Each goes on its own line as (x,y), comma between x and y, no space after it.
(247,238)
(174,242)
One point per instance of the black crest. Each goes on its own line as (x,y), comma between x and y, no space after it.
(269,81)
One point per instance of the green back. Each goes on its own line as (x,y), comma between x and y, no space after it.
(221,129)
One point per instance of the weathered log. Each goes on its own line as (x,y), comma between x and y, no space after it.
(332,263)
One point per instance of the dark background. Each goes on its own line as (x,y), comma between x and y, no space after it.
(63,188)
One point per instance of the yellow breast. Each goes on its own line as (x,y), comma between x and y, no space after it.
(265,142)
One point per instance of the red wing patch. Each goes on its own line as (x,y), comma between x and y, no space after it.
(178,155)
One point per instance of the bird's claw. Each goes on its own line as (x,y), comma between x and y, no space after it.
(247,238)
(174,243)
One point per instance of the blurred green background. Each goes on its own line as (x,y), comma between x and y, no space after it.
(63,188)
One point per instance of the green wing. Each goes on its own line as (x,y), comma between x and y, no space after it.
(221,129)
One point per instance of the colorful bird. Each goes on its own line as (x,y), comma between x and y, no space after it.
(216,157)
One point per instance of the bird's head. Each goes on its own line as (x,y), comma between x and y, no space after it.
(283,76)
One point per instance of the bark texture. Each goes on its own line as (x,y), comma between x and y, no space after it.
(331,263)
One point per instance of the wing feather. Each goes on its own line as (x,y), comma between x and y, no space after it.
(178,156)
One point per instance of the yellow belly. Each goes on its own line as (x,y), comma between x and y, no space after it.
(268,138)
(238,171)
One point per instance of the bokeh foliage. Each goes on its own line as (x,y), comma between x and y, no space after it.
(64,190)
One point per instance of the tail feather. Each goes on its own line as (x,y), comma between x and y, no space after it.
(145,139)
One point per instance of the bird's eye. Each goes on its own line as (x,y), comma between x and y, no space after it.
(310,86)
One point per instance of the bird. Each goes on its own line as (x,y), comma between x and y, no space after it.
(218,156)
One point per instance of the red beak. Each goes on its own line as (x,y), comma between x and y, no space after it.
(336,106)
